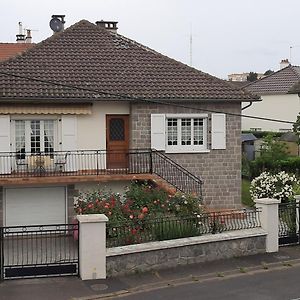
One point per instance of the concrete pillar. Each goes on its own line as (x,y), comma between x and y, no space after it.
(92,246)
(269,221)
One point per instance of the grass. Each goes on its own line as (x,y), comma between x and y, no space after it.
(246,198)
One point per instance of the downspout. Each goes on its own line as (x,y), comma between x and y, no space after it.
(250,103)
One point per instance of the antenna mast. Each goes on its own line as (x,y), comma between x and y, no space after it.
(191,49)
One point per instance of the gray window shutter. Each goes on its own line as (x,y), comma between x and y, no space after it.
(218,131)
(158,132)
(5,162)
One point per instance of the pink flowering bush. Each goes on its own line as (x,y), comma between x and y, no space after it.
(140,202)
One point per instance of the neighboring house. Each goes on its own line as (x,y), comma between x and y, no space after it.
(8,50)
(278,101)
(85,99)
(242,77)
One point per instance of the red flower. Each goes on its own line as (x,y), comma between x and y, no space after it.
(145,210)
(90,205)
(131,217)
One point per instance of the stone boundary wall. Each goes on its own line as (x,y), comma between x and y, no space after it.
(165,254)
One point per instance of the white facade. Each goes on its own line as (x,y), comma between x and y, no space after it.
(281,107)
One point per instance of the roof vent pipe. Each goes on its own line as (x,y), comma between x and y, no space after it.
(20,36)
(109,25)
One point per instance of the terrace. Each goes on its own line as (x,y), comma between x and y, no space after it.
(95,165)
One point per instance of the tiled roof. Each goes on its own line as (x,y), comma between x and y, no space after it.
(279,82)
(8,50)
(89,56)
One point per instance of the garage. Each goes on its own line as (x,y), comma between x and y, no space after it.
(35,206)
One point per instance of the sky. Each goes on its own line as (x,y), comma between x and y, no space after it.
(228,36)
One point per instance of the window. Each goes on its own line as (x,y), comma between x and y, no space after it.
(34,136)
(186,133)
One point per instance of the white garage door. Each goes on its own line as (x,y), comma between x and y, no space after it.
(34,206)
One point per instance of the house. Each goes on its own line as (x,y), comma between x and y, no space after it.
(84,108)
(8,50)
(278,100)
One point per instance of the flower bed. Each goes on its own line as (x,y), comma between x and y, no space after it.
(141,204)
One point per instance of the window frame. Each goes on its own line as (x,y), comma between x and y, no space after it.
(187,148)
(27,122)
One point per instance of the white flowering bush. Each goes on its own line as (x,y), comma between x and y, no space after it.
(279,186)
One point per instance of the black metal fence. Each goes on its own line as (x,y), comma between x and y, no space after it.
(289,223)
(97,162)
(167,228)
(37,251)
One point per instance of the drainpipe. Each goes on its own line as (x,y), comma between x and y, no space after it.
(250,103)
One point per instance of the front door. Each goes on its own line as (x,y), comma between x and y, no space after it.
(117,141)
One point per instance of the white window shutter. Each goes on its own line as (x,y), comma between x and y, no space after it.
(5,162)
(69,133)
(218,131)
(158,131)
(69,141)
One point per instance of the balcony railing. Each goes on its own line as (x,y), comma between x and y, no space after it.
(98,162)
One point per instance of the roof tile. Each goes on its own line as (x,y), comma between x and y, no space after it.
(111,65)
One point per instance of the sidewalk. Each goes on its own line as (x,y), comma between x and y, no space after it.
(66,288)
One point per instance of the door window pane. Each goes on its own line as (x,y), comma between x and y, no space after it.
(35,136)
(116,129)
(20,138)
(48,136)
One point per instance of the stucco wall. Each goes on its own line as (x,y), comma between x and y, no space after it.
(219,169)
(282,107)
(91,129)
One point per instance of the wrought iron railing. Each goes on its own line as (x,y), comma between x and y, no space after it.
(175,174)
(167,228)
(98,162)
(39,250)
(289,223)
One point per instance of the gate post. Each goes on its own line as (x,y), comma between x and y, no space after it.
(92,246)
(297,197)
(269,221)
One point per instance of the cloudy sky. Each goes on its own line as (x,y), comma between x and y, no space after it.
(229,36)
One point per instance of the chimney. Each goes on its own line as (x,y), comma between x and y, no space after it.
(28,39)
(109,25)
(284,63)
(20,36)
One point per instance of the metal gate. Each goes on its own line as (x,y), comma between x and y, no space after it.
(289,223)
(39,251)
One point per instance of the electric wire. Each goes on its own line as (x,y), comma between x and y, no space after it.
(128,97)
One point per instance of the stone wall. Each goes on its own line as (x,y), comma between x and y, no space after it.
(165,254)
(219,169)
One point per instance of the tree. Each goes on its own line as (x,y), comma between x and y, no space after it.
(252,76)
(269,72)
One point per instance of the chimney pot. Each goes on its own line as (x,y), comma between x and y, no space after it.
(284,63)
(28,39)
(109,25)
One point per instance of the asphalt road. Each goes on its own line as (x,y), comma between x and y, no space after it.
(283,284)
